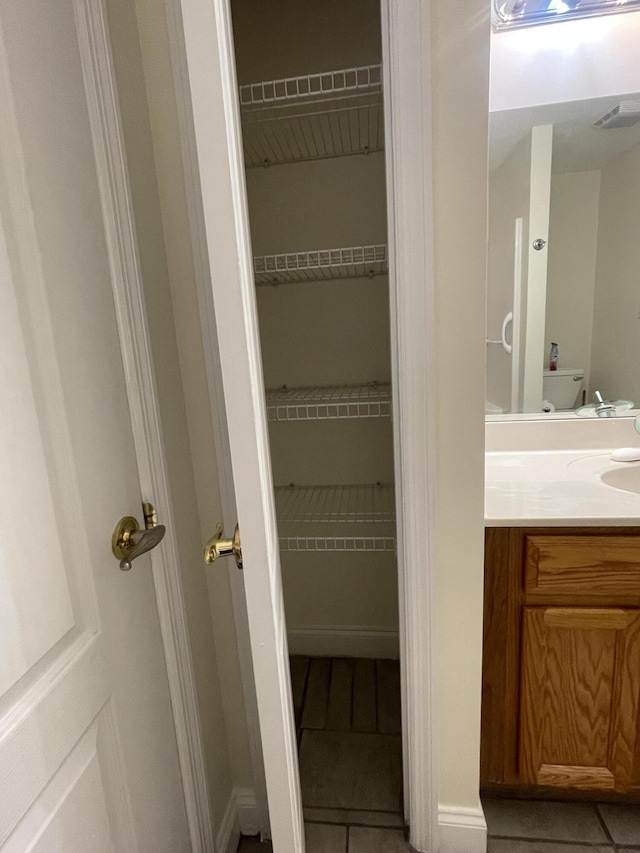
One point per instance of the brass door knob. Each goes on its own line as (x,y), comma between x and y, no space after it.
(218,547)
(129,541)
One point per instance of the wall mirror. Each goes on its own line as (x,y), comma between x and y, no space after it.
(563,299)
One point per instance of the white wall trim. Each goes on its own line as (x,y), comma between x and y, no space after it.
(406,34)
(351,641)
(462,830)
(240,818)
(228,835)
(141,391)
(247,809)
(216,395)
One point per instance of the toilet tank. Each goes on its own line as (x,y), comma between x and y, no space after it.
(562,387)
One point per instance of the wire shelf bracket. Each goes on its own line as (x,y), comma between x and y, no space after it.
(334,402)
(336,518)
(321,265)
(318,115)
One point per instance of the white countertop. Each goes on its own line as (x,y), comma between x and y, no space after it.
(557,488)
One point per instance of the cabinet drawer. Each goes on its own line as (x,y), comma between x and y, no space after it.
(586,568)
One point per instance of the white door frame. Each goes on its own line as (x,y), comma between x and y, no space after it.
(111,165)
(406,52)
(407,63)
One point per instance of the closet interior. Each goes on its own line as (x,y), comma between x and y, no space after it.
(311,103)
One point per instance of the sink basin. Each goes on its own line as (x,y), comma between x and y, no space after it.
(625,479)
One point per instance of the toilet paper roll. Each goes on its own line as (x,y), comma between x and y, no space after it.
(547,406)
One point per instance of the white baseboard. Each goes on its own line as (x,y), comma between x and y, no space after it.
(228,835)
(247,811)
(343,641)
(240,818)
(462,830)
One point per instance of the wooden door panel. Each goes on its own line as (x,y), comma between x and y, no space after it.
(577,695)
(626,705)
(579,703)
(575,776)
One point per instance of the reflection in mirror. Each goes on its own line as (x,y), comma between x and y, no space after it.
(563,301)
(564,218)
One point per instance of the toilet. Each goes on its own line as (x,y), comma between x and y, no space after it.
(562,387)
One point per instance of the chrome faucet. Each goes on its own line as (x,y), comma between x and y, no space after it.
(604,409)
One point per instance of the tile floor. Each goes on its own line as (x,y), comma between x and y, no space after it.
(350,752)
(536,826)
(348,721)
(515,826)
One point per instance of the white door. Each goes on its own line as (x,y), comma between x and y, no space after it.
(209,51)
(88,756)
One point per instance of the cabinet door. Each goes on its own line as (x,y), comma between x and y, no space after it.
(579,700)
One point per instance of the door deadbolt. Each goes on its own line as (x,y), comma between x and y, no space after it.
(218,547)
(539,244)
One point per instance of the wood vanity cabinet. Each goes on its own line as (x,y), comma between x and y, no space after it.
(561,660)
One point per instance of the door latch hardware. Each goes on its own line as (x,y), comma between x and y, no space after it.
(218,547)
(129,541)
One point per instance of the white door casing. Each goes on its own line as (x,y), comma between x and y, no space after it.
(406,47)
(88,753)
(210,61)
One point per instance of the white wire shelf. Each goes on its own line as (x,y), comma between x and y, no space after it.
(333,402)
(318,115)
(336,518)
(321,265)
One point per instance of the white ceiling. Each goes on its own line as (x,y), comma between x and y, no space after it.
(577,145)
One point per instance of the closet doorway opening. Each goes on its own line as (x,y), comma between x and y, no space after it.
(343,467)
(312,116)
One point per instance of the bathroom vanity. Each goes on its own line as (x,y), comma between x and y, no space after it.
(561,658)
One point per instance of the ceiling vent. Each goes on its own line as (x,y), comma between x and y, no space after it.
(626,114)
